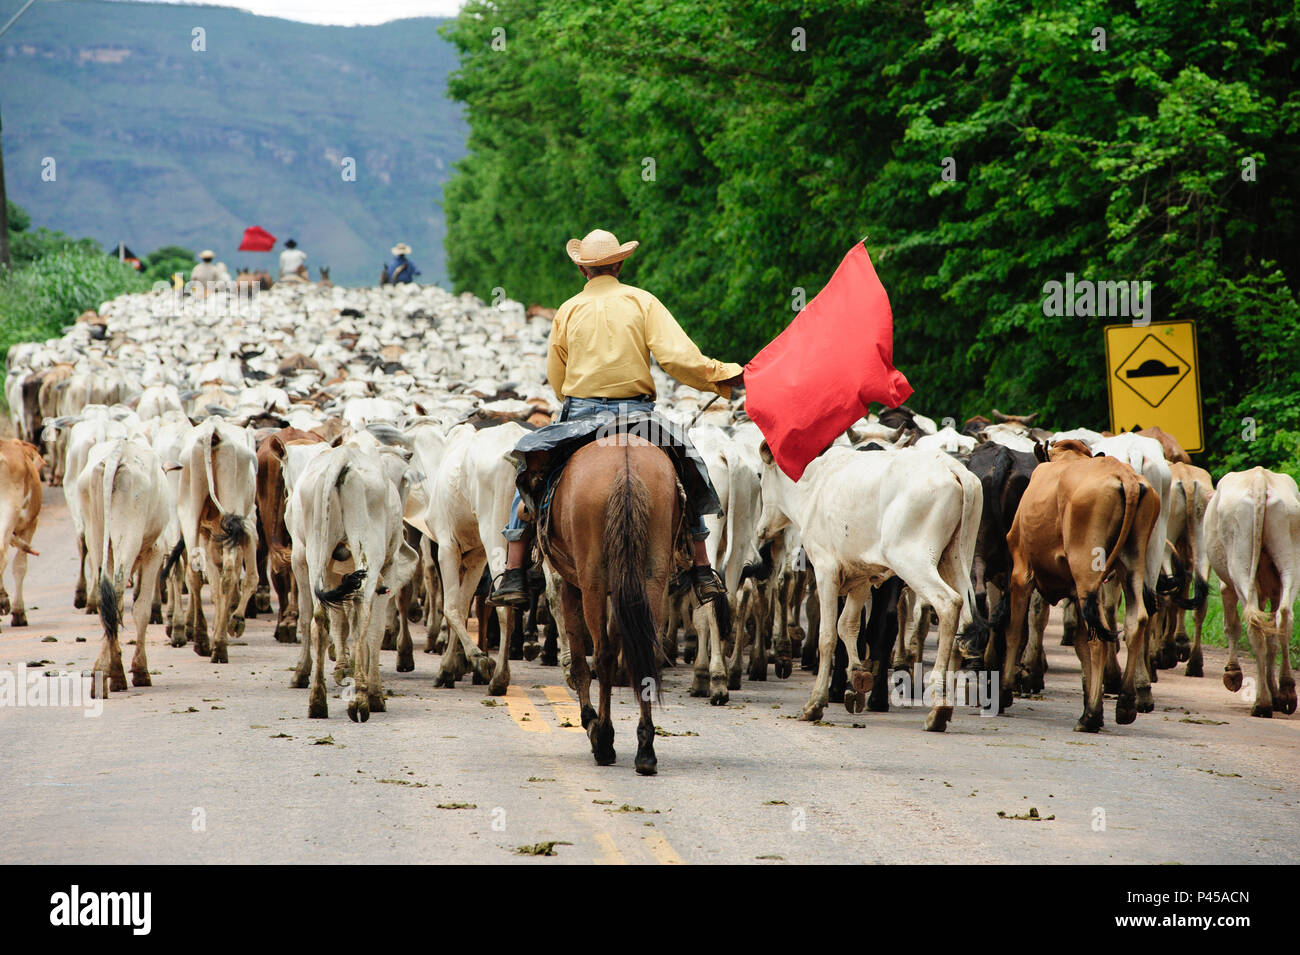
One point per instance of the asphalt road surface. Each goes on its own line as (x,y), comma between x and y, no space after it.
(221,764)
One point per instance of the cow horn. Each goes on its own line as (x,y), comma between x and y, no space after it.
(998,416)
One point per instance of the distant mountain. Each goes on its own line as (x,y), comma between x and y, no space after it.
(157,144)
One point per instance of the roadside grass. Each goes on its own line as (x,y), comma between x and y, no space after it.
(1212,630)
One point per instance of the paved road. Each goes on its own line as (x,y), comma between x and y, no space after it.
(221,764)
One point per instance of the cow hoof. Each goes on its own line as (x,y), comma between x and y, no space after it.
(286,633)
(854,702)
(117,683)
(1232,678)
(79,601)
(1145,701)
(484,667)
(1183,647)
(1166,658)
(446,681)
(1005,699)
(1126,710)
(202,647)
(688,655)
(237,625)
(532,650)
(359,710)
(405,662)
(783,668)
(878,702)
(1262,710)
(390,640)
(811,713)
(758,670)
(342,671)
(140,678)
(262,601)
(299,681)
(1195,665)
(414,613)
(733,680)
(1089,723)
(377,703)
(1110,684)
(700,687)
(98,683)
(552,659)
(936,721)
(499,684)
(1067,640)
(20,619)
(718,695)
(178,637)
(155,616)
(1286,698)
(219,655)
(329,648)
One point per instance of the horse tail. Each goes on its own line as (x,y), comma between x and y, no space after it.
(627,560)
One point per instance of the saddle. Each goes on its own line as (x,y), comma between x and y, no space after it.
(542,455)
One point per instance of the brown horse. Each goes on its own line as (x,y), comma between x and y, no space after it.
(615,516)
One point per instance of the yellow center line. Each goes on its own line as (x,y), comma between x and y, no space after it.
(523,713)
(565,706)
(609,854)
(662,851)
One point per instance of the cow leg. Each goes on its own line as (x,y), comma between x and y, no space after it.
(703,655)
(222,560)
(857,607)
(1195,659)
(20,574)
(79,597)
(1091,652)
(1135,615)
(302,673)
(247,584)
(883,638)
(285,623)
(405,647)
(747,613)
(1265,685)
(198,626)
(1029,672)
(507,617)
(317,623)
(735,662)
(460,592)
(374,680)
(142,610)
(1020,587)
(1286,695)
(905,601)
(827,636)
(367,630)
(712,639)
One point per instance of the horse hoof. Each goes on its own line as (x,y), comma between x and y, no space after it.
(405,662)
(20,619)
(219,655)
(854,702)
(1126,709)
(359,710)
(810,713)
(1089,723)
(1232,679)
(647,765)
(783,669)
(602,742)
(140,678)
(1259,709)
(936,721)
(588,716)
(532,650)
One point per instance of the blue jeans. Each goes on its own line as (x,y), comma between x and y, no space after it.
(583,408)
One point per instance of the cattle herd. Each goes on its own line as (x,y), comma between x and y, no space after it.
(349,449)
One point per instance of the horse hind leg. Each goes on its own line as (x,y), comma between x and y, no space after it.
(601,729)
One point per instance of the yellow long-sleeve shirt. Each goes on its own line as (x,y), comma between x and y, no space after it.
(603,337)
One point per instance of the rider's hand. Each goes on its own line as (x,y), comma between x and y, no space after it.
(737,383)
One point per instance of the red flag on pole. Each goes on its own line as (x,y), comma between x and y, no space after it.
(819,375)
(257,239)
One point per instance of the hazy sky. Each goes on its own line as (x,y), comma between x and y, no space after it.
(343,12)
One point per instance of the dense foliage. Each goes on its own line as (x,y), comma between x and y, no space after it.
(769,162)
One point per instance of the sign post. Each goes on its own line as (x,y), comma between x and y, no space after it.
(1152,379)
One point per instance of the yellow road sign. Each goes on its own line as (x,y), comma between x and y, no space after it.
(1152,380)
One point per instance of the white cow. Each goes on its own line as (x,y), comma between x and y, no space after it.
(349,557)
(469,504)
(125,502)
(1252,535)
(865,517)
(217,506)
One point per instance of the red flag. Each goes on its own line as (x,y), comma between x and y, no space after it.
(819,375)
(257,239)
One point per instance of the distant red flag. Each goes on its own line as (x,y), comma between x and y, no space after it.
(257,239)
(819,375)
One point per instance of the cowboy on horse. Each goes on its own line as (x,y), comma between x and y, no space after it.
(599,363)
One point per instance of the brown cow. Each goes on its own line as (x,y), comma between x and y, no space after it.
(1082,519)
(20,505)
(271,500)
(1174,452)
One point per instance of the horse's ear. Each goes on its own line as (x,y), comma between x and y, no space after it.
(765,453)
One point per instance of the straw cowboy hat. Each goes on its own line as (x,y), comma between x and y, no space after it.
(207,254)
(401,249)
(599,248)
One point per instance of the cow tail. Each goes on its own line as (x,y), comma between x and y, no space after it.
(212,439)
(1255,615)
(349,587)
(627,560)
(1130,493)
(111,581)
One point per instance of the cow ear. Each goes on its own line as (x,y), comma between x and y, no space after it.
(339,439)
(276,444)
(765,453)
(1040,451)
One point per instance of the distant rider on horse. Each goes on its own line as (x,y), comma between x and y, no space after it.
(599,361)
